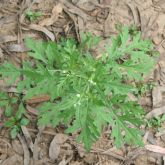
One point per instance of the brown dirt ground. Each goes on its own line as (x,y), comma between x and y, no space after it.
(69,18)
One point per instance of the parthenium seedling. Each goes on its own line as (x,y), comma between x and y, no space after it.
(93,92)
(32,15)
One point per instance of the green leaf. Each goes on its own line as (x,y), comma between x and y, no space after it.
(14,132)
(4,99)
(37,48)
(86,94)
(8,111)
(20,112)
(24,121)
(118,88)
(10,73)
(32,16)
(116,133)
(10,122)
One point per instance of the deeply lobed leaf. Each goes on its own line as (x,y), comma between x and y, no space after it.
(93,92)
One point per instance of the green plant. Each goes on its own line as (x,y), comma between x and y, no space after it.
(156,122)
(85,92)
(32,15)
(14,119)
(143,88)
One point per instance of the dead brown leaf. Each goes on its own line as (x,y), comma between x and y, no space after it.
(42,29)
(25,150)
(17,147)
(54,150)
(109,25)
(75,10)
(55,146)
(36,145)
(86,4)
(38,99)
(149,136)
(105,2)
(155,148)
(90,158)
(156,112)
(162,73)
(54,17)
(32,110)
(157,96)
(7,24)
(9,38)
(11,160)
(63,162)
(17,48)
(135,14)
(1,54)
(27,137)
(76,163)
(74,18)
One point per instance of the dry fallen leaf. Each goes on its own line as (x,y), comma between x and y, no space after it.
(90,158)
(42,29)
(105,2)
(9,38)
(27,137)
(86,4)
(17,48)
(155,148)
(1,54)
(157,96)
(36,145)
(54,17)
(76,163)
(75,10)
(63,162)
(13,160)
(156,112)
(17,147)
(25,150)
(54,149)
(109,25)
(135,14)
(31,110)
(38,99)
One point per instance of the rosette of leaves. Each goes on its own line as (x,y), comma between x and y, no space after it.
(86,93)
